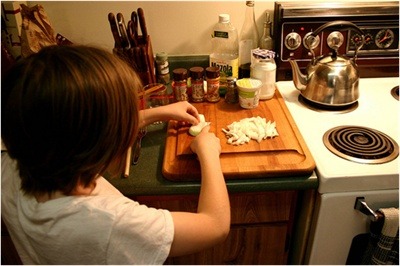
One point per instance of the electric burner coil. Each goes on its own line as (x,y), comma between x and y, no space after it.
(361,144)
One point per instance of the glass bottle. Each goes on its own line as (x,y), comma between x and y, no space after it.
(248,40)
(266,41)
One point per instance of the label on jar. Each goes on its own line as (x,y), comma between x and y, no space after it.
(162,67)
(197,90)
(212,90)
(180,91)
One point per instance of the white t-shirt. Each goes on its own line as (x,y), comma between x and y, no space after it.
(106,228)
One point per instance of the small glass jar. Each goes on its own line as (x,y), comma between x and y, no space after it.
(212,77)
(179,84)
(197,84)
(162,68)
(232,94)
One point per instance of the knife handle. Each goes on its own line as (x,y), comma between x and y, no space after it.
(142,22)
(122,30)
(131,34)
(114,30)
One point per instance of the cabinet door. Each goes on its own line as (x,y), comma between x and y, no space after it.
(262,244)
(261,224)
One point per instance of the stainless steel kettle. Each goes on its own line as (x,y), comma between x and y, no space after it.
(333,79)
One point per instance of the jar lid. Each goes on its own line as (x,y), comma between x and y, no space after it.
(162,56)
(212,72)
(196,72)
(231,80)
(180,73)
(249,83)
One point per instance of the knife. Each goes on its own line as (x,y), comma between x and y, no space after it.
(132,33)
(122,30)
(138,145)
(114,30)
(142,22)
(134,19)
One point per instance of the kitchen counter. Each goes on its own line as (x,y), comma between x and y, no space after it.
(146,177)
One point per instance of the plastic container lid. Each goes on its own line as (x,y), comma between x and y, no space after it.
(249,84)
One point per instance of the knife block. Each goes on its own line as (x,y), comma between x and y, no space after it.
(140,58)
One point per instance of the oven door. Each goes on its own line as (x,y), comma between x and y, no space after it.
(336,223)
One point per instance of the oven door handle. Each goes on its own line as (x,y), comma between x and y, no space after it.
(363,207)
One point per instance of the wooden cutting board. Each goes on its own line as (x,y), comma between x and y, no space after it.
(284,155)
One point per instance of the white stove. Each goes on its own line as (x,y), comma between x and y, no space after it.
(377,109)
(335,222)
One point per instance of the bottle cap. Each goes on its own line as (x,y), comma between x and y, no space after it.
(250,3)
(224,18)
(180,73)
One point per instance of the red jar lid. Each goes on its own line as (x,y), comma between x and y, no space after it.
(180,73)
(196,72)
(212,72)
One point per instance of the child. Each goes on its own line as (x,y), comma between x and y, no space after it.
(69,114)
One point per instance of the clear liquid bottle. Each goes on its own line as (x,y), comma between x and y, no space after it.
(225,50)
(248,40)
(266,41)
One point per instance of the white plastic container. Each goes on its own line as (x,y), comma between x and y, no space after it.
(249,92)
(265,70)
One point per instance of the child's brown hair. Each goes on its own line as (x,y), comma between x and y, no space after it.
(68,114)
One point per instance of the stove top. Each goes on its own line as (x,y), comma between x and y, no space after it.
(377,109)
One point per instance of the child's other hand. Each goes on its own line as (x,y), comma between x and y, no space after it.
(206,143)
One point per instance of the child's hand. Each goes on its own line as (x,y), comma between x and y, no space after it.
(183,112)
(206,143)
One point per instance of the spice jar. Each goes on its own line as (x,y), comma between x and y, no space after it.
(212,77)
(232,94)
(162,68)
(179,84)
(197,78)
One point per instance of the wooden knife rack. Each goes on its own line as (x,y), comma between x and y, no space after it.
(141,59)
(135,49)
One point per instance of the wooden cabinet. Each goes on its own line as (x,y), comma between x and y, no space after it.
(260,233)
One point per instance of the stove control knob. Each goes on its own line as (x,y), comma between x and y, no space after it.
(292,41)
(310,42)
(335,40)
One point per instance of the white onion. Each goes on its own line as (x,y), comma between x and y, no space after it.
(256,128)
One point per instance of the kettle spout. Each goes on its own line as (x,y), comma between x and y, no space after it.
(299,79)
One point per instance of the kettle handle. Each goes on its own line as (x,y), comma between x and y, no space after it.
(341,25)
